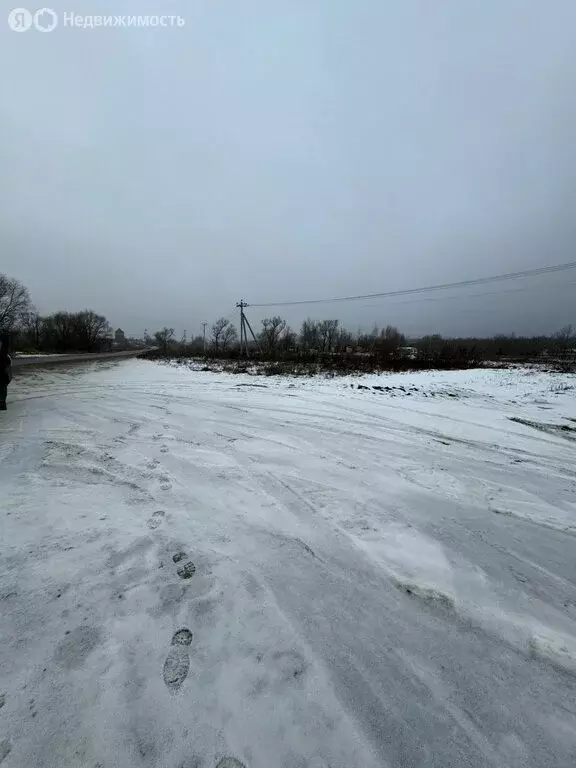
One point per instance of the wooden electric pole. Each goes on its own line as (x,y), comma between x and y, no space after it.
(244,325)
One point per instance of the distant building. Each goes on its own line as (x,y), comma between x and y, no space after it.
(119,338)
(408,353)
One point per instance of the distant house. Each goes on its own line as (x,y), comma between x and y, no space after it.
(119,338)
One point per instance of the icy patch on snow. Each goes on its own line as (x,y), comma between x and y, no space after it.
(409,556)
(419,567)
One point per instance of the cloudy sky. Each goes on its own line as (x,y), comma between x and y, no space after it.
(294,149)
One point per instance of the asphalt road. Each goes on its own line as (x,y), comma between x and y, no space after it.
(44,361)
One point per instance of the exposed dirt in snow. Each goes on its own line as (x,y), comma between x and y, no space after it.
(199,570)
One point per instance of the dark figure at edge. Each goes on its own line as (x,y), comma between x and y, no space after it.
(5,371)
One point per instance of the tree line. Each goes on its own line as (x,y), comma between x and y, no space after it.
(328,340)
(83,331)
(276,338)
(89,331)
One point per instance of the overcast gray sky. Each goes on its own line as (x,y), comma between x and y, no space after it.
(294,149)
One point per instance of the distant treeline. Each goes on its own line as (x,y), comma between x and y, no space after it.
(322,342)
(327,343)
(84,331)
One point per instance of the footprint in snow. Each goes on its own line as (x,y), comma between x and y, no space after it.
(156,519)
(230,762)
(177,664)
(187,569)
(164,449)
(5,749)
(165,483)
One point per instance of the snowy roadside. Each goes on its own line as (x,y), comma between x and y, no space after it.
(22,363)
(293,572)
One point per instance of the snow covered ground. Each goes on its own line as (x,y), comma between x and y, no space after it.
(201,570)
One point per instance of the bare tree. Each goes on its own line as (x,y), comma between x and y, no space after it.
(14,302)
(59,331)
(228,337)
(196,345)
(85,331)
(327,331)
(309,336)
(368,340)
(217,332)
(91,329)
(344,339)
(288,340)
(164,337)
(32,324)
(271,333)
(390,339)
(431,344)
(562,339)
(564,334)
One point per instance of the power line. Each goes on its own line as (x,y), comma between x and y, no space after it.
(427,289)
(232,313)
(468,296)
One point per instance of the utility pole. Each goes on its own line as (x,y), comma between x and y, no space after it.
(204,324)
(245,324)
(243,345)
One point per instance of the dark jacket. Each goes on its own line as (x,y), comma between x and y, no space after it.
(5,369)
